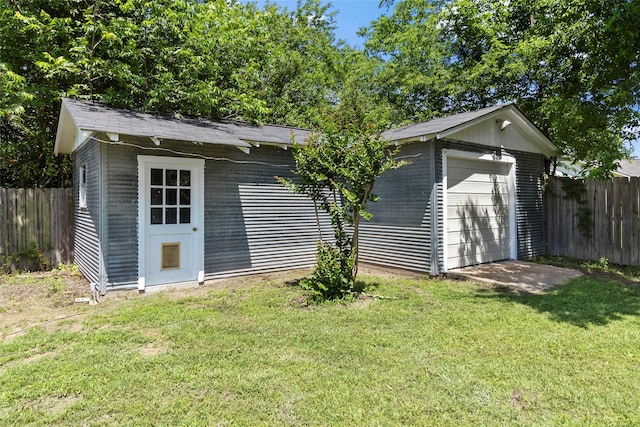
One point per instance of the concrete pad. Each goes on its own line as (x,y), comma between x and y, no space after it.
(520,275)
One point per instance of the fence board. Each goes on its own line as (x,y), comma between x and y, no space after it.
(32,218)
(634,214)
(615,214)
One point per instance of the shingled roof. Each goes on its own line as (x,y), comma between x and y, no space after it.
(78,118)
(432,128)
(450,127)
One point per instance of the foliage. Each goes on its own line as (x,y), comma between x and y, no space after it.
(434,353)
(571,66)
(332,276)
(32,257)
(577,190)
(337,169)
(216,59)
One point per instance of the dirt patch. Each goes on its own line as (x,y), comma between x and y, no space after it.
(29,299)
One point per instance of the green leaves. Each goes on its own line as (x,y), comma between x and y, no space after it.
(571,66)
(216,59)
(337,169)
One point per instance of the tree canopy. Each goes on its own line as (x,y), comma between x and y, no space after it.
(216,59)
(570,65)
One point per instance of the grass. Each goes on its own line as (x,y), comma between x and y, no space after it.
(430,353)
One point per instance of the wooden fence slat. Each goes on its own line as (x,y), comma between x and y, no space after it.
(600,223)
(625,222)
(634,221)
(4,224)
(42,217)
(615,214)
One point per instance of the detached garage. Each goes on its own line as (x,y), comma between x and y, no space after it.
(160,200)
(471,195)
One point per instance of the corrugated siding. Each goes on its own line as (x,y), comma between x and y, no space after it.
(121,215)
(530,204)
(253,224)
(399,234)
(86,242)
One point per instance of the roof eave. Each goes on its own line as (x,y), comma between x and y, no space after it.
(67,133)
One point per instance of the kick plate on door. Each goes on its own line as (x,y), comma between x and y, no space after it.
(171,256)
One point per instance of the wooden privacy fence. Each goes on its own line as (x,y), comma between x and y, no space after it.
(591,219)
(36,228)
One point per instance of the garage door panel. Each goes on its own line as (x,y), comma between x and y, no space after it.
(479,187)
(477,212)
(476,200)
(478,257)
(470,223)
(478,166)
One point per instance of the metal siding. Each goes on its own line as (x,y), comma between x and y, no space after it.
(399,233)
(86,239)
(253,224)
(121,211)
(530,205)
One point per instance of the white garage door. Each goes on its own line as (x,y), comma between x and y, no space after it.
(478,225)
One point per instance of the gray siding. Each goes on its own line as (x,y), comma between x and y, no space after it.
(86,242)
(530,205)
(120,241)
(252,224)
(399,234)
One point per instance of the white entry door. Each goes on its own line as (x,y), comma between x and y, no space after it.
(171,220)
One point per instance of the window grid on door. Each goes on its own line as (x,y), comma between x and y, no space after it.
(170,197)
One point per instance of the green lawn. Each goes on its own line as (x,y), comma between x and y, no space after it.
(428,353)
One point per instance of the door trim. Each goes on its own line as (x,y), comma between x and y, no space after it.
(197,205)
(511,185)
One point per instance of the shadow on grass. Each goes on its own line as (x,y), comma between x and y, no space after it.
(582,301)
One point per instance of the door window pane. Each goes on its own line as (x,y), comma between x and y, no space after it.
(185,215)
(171,216)
(156,215)
(172,196)
(172,177)
(156,196)
(156,176)
(185,178)
(185,196)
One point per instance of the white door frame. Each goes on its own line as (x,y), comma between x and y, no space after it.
(197,206)
(511,185)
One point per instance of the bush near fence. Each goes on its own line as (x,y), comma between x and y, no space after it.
(593,220)
(36,228)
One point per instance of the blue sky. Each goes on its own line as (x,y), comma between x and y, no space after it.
(352,15)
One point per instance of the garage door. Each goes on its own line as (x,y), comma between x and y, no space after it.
(477,199)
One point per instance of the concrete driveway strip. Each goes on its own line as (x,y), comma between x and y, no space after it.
(520,275)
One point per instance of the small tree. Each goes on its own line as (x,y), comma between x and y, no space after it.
(337,170)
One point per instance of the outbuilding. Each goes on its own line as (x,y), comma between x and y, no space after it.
(162,200)
(472,193)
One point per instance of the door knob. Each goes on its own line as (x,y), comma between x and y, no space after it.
(195,228)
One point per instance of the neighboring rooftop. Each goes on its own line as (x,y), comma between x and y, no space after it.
(628,168)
